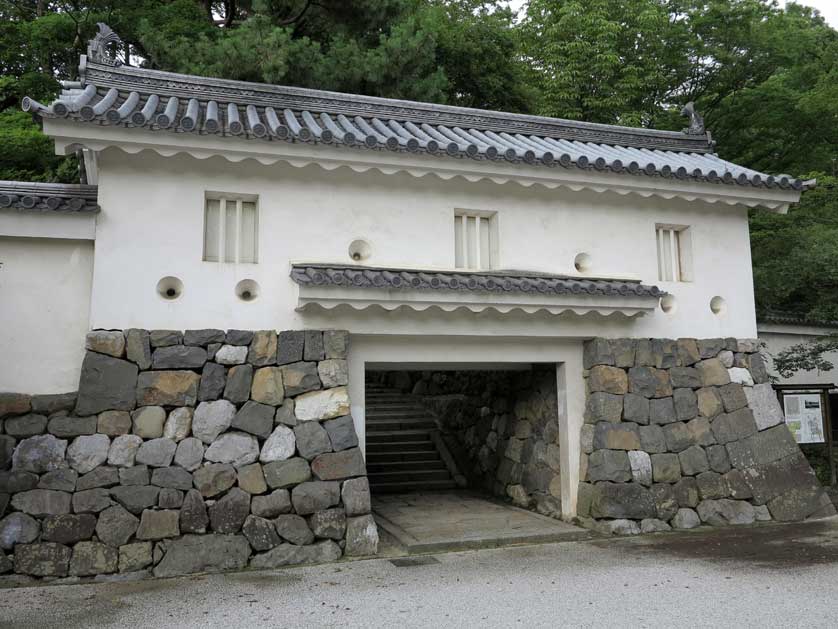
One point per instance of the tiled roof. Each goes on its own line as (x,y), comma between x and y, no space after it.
(794,318)
(110,94)
(55,197)
(484,281)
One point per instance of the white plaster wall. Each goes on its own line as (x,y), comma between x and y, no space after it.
(44,311)
(483,352)
(151,227)
(779,337)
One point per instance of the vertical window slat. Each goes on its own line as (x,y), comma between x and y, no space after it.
(248,231)
(231,228)
(473,241)
(485,244)
(230,231)
(458,241)
(672,264)
(212,227)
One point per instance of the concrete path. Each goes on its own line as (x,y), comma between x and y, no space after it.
(425,522)
(770,576)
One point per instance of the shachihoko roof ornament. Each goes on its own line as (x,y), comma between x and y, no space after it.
(110,94)
(53,197)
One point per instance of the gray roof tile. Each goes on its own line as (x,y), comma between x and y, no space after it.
(54,197)
(350,276)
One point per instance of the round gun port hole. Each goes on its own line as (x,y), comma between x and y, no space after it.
(359,250)
(247,290)
(582,262)
(668,304)
(170,288)
(718,306)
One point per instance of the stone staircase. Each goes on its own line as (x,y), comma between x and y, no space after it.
(404,451)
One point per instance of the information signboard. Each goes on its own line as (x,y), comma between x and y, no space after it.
(804,416)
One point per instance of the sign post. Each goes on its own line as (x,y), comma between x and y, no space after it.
(809,417)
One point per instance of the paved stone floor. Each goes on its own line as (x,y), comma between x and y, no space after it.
(762,577)
(459,519)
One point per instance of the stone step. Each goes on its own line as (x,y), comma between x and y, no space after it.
(399,446)
(406,466)
(404,476)
(400,409)
(381,425)
(379,436)
(398,488)
(393,457)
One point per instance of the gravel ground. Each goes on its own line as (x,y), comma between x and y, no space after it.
(770,576)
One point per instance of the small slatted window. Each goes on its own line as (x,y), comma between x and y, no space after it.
(674,253)
(473,241)
(230,230)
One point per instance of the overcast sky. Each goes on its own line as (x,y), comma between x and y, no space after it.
(828,8)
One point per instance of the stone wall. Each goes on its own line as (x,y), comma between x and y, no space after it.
(186,452)
(687,432)
(501,426)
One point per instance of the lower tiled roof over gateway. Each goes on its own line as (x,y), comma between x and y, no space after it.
(55,197)
(110,94)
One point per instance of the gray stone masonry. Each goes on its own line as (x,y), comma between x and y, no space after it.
(181,452)
(683,433)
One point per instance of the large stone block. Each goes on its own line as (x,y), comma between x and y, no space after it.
(68,528)
(290,347)
(227,515)
(193,513)
(262,348)
(678,437)
(758,369)
(92,500)
(178,357)
(252,479)
(239,337)
(14,404)
(313,496)
(711,486)
(165,338)
(607,379)
(665,352)
(799,503)
(611,465)
(333,373)
(701,431)
(148,421)
(189,453)
(18,528)
(301,377)
(313,348)
(134,557)
(214,479)
(335,343)
(341,433)
(156,452)
(649,382)
(312,440)
(709,402)
(734,426)
(203,337)
(290,555)
(167,388)
(279,446)
(255,418)
(713,373)
(294,529)
(231,355)
(138,347)
(39,454)
(114,423)
(339,465)
(686,404)
(178,424)
(763,402)
(623,500)
(686,492)
(103,476)
(135,498)
(739,489)
(106,384)
(328,524)
(237,448)
(155,525)
(61,480)
(733,397)
(274,504)
(685,519)
(110,342)
(267,386)
(50,403)
(595,352)
(355,495)
(116,526)
(662,411)
(25,426)
(693,461)
(710,348)
(666,468)
(42,502)
(361,537)
(622,436)
(13,482)
(635,408)
(763,447)
(203,553)
(172,478)
(725,512)
(641,467)
(213,381)
(87,452)
(718,459)
(239,383)
(665,500)
(603,407)
(211,419)
(778,477)
(687,352)
(260,533)
(320,405)
(42,560)
(67,427)
(652,439)
(283,474)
